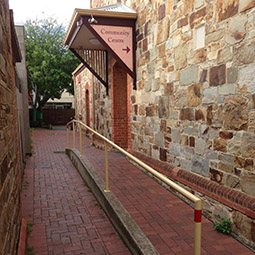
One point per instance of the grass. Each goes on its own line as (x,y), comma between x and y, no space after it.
(86,185)
(99,206)
(25,185)
(29,249)
(223,226)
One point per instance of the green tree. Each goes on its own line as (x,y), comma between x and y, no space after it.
(49,64)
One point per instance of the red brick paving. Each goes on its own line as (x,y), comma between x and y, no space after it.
(165,219)
(72,222)
(65,215)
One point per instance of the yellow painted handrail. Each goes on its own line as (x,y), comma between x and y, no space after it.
(197,201)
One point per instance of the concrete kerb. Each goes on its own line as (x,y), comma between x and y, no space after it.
(129,231)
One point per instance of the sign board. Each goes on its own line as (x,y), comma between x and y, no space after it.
(120,40)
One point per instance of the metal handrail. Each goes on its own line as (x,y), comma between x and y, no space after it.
(197,201)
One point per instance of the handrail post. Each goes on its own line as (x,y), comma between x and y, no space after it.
(73,135)
(197,232)
(106,167)
(67,129)
(92,139)
(80,141)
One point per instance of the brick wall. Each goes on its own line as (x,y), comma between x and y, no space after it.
(10,219)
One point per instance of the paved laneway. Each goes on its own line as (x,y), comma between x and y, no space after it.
(65,215)
(67,221)
(165,219)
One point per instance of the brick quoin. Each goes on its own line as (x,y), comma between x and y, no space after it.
(120,107)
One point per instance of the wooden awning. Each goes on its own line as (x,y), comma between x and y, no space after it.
(93,33)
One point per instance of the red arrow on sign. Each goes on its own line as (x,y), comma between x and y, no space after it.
(127,49)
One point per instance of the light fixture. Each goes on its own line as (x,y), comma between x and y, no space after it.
(92,20)
(94,41)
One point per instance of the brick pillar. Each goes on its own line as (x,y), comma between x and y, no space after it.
(120,118)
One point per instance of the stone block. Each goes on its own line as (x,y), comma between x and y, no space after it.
(187,114)
(182,22)
(180,56)
(227,89)
(176,150)
(243,225)
(224,55)
(247,78)
(247,184)
(192,141)
(159,139)
(200,166)
(169,89)
(236,30)
(155,85)
(215,36)
(194,95)
(197,17)
(226,9)
(181,98)
(198,3)
(210,95)
(162,154)
(191,131)
(189,75)
(245,54)
(163,107)
(232,181)
(221,213)
(232,74)
(235,110)
(176,135)
(199,114)
(210,154)
(245,5)
(226,168)
(184,140)
(248,145)
(220,145)
(162,11)
(200,146)
(217,75)
(185,164)
(226,135)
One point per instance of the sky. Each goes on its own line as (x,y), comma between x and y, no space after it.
(61,10)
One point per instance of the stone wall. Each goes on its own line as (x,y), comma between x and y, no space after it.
(10,219)
(100,118)
(22,100)
(194,107)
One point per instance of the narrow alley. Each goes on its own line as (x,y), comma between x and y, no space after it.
(67,219)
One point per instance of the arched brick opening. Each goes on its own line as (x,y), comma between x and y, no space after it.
(120,115)
(87,108)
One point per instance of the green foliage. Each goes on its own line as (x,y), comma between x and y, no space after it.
(99,206)
(29,249)
(49,64)
(224,226)
(86,184)
(29,228)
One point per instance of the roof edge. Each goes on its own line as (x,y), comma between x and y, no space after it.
(97,13)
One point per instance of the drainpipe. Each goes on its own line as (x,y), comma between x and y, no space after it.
(93,108)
